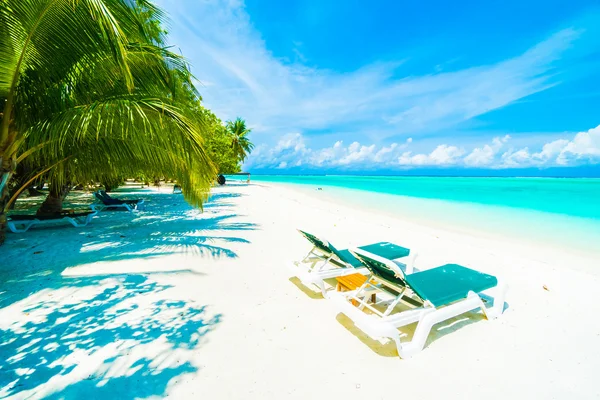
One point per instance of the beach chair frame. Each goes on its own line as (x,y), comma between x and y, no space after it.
(380,325)
(22,226)
(130,206)
(312,269)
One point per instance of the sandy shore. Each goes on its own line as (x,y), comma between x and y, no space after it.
(175,302)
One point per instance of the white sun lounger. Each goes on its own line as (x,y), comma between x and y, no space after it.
(324,261)
(22,223)
(109,203)
(433,296)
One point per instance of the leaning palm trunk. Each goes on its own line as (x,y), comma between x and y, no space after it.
(3,202)
(54,202)
(5,175)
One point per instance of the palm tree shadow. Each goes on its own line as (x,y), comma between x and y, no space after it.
(152,236)
(112,337)
(162,230)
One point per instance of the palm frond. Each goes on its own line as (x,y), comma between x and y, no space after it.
(124,135)
(92,91)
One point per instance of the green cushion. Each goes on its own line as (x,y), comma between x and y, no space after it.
(387,250)
(383,249)
(380,269)
(347,257)
(448,283)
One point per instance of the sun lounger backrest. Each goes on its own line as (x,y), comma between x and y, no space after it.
(381,267)
(344,256)
(319,243)
(106,199)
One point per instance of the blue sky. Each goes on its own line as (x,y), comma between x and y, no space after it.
(396,86)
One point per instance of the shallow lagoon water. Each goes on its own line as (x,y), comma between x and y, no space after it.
(549,211)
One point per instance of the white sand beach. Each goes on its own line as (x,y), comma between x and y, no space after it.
(174,302)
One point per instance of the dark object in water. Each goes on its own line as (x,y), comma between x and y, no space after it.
(221,179)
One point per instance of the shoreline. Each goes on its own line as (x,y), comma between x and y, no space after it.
(588,258)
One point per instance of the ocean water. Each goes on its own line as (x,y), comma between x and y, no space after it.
(550,211)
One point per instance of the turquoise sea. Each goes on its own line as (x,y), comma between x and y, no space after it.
(551,211)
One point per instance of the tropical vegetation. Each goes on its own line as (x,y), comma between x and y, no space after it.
(89,92)
(240,144)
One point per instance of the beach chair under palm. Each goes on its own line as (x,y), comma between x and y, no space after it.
(325,261)
(19,223)
(110,203)
(432,296)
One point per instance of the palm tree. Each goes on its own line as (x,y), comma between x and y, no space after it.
(88,93)
(240,143)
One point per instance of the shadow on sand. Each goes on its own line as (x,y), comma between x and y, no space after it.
(167,227)
(110,336)
(388,347)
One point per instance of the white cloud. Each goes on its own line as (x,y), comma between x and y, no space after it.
(274,95)
(583,148)
(292,151)
(383,153)
(357,153)
(445,154)
(585,145)
(441,155)
(550,151)
(516,158)
(482,156)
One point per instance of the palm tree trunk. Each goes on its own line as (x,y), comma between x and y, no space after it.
(54,202)
(6,171)
(107,186)
(3,202)
(18,181)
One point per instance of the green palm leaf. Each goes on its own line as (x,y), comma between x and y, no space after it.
(240,143)
(89,87)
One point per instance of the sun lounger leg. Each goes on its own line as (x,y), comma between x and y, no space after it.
(77,222)
(307,257)
(323,264)
(321,285)
(74,222)
(432,316)
(394,303)
(362,301)
(12,225)
(498,308)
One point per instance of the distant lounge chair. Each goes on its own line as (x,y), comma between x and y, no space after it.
(111,203)
(324,261)
(19,223)
(433,296)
